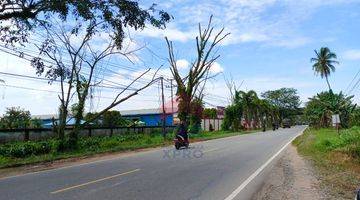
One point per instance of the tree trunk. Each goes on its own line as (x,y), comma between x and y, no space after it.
(62,123)
(77,127)
(327,81)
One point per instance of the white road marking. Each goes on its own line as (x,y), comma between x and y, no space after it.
(94,181)
(257,172)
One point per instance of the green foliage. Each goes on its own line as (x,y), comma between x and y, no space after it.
(113,118)
(15,117)
(89,116)
(232,118)
(355,117)
(196,112)
(108,119)
(336,156)
(276,105)
(25,149)
(248,102)
(92,144)
(285,100)
(35,123)
(324,63)
(25,15)
(328,140)
(321,107)
(210,113)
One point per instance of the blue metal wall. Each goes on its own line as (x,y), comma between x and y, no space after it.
(152,119)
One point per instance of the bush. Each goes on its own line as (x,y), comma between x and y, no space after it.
(24,149)
(110,143)
(91,144)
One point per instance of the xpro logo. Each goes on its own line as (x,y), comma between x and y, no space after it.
(189,153)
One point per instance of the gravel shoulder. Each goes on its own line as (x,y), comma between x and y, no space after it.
(292,177)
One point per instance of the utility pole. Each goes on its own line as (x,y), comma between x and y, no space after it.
(172,97)
(163,107)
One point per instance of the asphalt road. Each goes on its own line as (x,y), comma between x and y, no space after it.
(215,169)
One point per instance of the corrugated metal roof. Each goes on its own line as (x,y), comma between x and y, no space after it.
(141,111)
(48,116)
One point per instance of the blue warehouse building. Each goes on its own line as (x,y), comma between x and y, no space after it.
(147,117)
(150,117)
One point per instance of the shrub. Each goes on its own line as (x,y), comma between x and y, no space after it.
(91,144)
(24,149)
(109,144)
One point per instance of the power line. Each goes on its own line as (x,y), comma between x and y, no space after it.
(50,62)
(116,65)
(53,91)
(356,85)
(348,87)
(216,97)
(45,79)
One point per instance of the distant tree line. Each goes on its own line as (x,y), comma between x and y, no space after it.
(248,110)
(15,117)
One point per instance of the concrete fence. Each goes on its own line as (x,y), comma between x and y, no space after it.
(211,124)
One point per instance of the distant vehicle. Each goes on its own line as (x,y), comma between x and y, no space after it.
(286,123)
(275,126)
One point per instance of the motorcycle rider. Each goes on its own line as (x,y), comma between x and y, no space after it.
(182,131)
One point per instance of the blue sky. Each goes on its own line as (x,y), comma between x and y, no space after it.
(270,46)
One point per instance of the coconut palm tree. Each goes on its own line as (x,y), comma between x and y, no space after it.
(324,63)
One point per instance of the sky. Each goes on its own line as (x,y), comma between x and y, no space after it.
(269,47)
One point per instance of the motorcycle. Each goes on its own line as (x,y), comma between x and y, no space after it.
(180,141)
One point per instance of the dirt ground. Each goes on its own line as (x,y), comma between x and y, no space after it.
(292,177)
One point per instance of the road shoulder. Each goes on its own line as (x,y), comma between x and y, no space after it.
(292,177)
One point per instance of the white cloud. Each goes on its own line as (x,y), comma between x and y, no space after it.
(271,22)
(173,34)
(216,68)
(182,64)
(353,54)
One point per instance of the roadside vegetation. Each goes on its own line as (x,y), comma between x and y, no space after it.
(249,111)
(336,157)
(15,117)
(30,152)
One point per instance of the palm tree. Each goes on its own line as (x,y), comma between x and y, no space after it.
(248,101)
(324,63)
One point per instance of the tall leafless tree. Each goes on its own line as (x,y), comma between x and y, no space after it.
(191,86)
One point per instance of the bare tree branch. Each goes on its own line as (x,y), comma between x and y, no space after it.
(192,85)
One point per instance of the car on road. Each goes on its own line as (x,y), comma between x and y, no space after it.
(286,123)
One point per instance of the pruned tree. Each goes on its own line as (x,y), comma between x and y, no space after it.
(190,87)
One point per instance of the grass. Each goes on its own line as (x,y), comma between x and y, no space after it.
(12,154)
(336,157)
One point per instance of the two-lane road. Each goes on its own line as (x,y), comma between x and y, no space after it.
(215,169)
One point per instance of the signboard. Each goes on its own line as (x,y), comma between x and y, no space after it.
(335,120)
